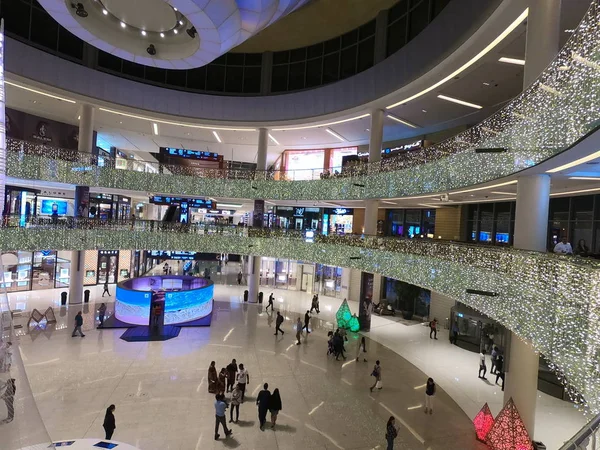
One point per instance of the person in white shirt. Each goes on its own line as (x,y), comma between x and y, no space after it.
(242,378)
(563,247)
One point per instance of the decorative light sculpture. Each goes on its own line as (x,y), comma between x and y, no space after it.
(483,421)
(343,315)
(509,432)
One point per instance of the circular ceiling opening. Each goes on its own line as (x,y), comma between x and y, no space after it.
(149,15)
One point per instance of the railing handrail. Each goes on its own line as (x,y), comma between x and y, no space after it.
(588,429)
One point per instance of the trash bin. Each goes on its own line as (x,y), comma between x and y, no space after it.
(260,297)
(538,446)
(86,296)
(246,295)
(63,298)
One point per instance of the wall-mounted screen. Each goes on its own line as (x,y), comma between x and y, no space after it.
(49,206)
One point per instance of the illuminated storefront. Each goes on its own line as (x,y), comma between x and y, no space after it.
(337,220)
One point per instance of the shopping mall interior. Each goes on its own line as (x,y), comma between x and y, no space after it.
(387,210)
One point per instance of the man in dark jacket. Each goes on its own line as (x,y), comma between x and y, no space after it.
(78,325)
(262,401)
(278,323)
(306,320)
(232,369)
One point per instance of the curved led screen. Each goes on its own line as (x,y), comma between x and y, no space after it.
(132,306)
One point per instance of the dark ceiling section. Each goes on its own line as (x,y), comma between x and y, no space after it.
(238,73)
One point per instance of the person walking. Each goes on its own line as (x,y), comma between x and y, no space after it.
(298,331)
(220,407)
(278,323)
(270,304)
(377,374)
(78,325)
(494,358)
(500,370)
(109,422)
(429,394)
(212,378)
(240,275)
(482,366)
(361,346)
(391,433)
(338,345)
(275,406)
(101,314)
(105,291)
(242,379)
(433,329)
(232,369)
(10,389)
(454,336)
(306,321)
(262,401)
(313,303)
(236,399)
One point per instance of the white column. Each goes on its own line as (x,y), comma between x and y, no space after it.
(76,278)
(371,209)
(263,144)
(375,143)
(86,129)
(543,32)
(531,231)
(253,278)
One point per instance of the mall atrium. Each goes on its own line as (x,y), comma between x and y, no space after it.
(386,210)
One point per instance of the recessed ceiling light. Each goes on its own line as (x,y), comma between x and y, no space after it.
(162,35)
(459,101)
(485,83)
(216,135)
(366,129)
(517,61)
(306,127)
(121,122)
(123,25)
(575,163)
(105,12)
(155,128)
(78,117)
(10,83)
(273,139)
(174,9)
(143,32)
(175,31)
(335,135)
(188,133)
(402,121)
(181,22)
(35,101)
(424,110)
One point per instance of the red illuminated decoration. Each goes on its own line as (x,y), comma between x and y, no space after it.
(508,431)
(483,421)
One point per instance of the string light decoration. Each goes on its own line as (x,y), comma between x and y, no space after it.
(508,432)
(562,293)
(483,422)
(557,110)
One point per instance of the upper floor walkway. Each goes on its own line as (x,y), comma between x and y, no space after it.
(556,112)
(549,300)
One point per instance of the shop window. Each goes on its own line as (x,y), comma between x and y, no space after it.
(296,76)
(19,11)
(133,69)
(366,54)
(215,78)
(108,61)
(196,78)
(503,224)
(234,78)
(44,29)
(69,44)
(252,76)
(419,17)
(581,230)
(176,77)
(582,207)
(314,68)
(331,68)
(279,78)
(396,37)
(348,62)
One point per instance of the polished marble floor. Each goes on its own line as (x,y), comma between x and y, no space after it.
(162,401)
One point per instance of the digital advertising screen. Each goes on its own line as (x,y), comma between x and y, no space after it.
(48,206)
(132,306)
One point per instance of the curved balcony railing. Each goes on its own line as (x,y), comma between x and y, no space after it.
(549,300)
(553,114)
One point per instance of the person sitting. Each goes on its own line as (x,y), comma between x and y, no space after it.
(563,247)
(582,249)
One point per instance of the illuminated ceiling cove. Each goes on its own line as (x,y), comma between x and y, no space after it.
(173,34)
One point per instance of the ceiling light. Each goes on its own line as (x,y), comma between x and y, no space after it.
(580,191)
(174,9)
(402,121)
(469,63)
(10,83)
(170,122)
(175,31)
(568,30)
(502,193)
(482,188)
(181,22)
(155,129)
(367,130)
(105,12)
(428,206)
(143,32)
(486,83)
(516,61)
(216,135)
(424,110)
(458,101)
(123,25)
(550,89)
(273,139)
(334,134)
(228,205)
(162,35)
(585,178)
(322,125)
(78,117)
(303,138)
(575,163)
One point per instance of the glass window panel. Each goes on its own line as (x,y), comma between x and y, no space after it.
(176,77)
(155,74)
(348,62)
(396,37)
(398,10)
(281,57)
(196,78)
(314,70)
(350,38)
(296,76)
(252,77)
(367,30)
(133,69)
(215,78)
(332,45)
(331,68)
(419,18)
(44,29)
(366,54)
(19,13)
(234,79)
(582,207)
(279,78)
(69,44)
(314,51)
(235,59)
(298,54)
(581,230)
(108,61)
(221,60)
(253,59)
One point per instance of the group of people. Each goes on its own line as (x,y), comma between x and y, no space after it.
(497,365)
(564,248)
(335,344)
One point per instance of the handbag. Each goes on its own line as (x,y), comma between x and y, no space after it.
(378,385)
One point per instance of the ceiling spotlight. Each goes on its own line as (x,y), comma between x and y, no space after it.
(162,35)
(175,31)
(123,25)
(191,32)
(79,9)
(105,12)
(181,22)
(174,9)
(144,33)
(151,50)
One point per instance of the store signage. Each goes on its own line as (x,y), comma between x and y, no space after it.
(400,148)
(340,211)
(189,154)
(82,169)
(192,202)
(109,252)
(172,255)
(299,212)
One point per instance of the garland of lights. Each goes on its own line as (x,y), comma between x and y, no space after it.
(560,293)
(557,110)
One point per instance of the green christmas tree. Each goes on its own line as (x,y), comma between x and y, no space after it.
(343,315)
